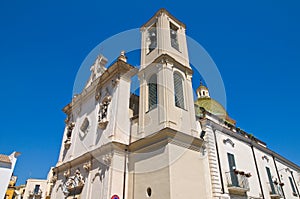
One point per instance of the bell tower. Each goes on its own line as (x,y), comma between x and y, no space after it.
(166,95)
(163,34)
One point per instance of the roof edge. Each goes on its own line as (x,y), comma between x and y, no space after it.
(158,13)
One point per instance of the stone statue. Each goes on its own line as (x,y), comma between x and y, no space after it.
(97,69)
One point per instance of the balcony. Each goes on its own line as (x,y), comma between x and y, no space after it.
(275,190)
(237,183)
(35,194)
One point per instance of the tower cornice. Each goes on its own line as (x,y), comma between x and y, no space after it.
(166,58)
(157,14)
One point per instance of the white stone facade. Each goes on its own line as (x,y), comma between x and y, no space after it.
(120,145)
(35,189)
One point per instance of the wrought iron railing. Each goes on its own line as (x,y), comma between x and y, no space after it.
(36,192)
(275,189)
(235,179)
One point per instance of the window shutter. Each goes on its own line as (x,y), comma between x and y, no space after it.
(231,162)
(270,180)
(152,92)
(178,91)
(292,185)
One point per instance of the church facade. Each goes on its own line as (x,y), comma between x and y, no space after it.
(161,143)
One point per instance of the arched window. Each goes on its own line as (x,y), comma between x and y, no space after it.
(152,92)
(178,90)
(151,38)
(174,36)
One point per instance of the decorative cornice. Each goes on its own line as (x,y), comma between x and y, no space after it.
(114,72)
(157,14)
(164,137)
(166,58)
(148,143)
(111,147)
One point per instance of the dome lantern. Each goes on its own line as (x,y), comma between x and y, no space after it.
(202,91)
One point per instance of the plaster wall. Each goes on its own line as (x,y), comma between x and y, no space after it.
(30,186)
(243,159)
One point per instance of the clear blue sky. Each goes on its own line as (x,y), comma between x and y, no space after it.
(255,45)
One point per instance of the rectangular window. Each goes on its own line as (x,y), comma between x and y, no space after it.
(232,167)
(292,185)
(174,36)
(152,92)
(36,189)
(270,180)
(178,91)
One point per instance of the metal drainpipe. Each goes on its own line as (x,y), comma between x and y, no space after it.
(278,175)
(219,162)
(261,188)
(295,183)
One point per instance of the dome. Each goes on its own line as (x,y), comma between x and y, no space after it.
(214,107)
(202,88)
(211,106)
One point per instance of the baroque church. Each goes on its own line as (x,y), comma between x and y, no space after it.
(161,143)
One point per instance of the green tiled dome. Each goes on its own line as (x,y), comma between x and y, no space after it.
(211,106)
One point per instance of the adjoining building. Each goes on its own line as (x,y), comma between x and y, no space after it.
(35,189)
(7,165)
(19,191)
(10,192)
(161,143)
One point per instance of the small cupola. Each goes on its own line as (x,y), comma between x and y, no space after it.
(202,91)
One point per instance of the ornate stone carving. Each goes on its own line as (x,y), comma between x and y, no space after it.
(97,69)
(98,95)
(67,143)
(166,61)
(73,183)
(67,173)
(53,179)
(67,120)
(122,56)
(116,81)
(70,128)
(87,166)
(225,141)
(107,159)
(265,158)
(103,111)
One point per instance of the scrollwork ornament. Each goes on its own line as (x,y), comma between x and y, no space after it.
(67,173)
(107,159)
(87,166)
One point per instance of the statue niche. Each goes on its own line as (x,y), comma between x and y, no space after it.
(103,112)
(67,142)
